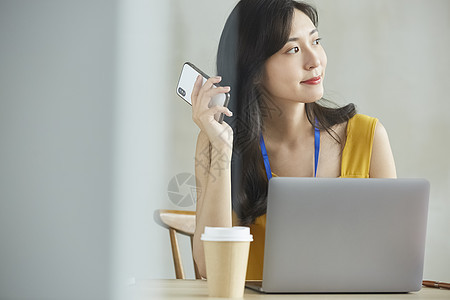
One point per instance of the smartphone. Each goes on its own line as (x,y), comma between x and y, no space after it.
(185,85)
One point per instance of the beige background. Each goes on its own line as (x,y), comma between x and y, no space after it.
(92,131)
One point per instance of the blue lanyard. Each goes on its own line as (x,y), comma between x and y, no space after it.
(316,152)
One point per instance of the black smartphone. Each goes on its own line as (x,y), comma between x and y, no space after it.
(185,85)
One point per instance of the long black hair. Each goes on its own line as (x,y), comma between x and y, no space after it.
(254,31)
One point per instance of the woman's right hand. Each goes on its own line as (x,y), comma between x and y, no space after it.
(219,134)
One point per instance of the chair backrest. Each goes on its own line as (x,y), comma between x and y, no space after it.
(183,222)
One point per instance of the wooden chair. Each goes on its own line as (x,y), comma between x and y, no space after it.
(182,222)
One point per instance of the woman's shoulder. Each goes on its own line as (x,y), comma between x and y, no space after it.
(358,147)
(361,119)
(368,138)
(361,124)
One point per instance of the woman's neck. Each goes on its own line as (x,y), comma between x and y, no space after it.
(290,125)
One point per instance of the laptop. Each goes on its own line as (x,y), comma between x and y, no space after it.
(344,235)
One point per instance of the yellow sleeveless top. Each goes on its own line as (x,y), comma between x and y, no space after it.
(355,163)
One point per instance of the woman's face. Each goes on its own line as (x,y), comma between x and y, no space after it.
(295,73)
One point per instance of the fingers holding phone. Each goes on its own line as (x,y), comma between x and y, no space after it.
(201,87)
(208,99)
(207,96)
(188,81)
(207,111)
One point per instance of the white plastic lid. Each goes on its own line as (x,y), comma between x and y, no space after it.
(227,234)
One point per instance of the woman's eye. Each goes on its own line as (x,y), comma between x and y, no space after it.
(317,41)
(294,50)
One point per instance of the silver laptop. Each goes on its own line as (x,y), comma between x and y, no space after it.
(333,235)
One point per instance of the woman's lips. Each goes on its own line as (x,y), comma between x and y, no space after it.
(314,80)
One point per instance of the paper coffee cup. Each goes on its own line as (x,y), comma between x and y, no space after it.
(226,257)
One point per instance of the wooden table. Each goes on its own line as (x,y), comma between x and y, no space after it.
(198,289)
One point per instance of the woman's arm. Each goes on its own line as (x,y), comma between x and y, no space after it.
(382,163)
(212,164)
(213,175)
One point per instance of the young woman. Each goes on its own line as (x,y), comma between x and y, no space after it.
(271,56)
